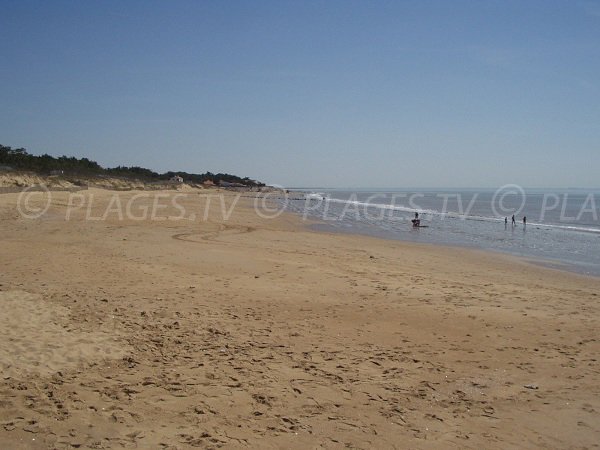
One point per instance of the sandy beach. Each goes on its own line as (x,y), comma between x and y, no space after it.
(121,330)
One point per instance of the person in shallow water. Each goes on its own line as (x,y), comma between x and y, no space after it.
(416,221)
(524,220)
(513,220)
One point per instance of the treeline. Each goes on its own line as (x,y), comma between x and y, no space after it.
(20,159)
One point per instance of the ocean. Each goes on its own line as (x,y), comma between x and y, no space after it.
(562,228)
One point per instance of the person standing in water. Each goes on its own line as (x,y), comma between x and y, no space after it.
(513,220)
(505,222)
(524,221)
(416,222)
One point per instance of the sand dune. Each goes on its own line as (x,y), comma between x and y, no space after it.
(255,333)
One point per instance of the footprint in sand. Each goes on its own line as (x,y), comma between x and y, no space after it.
(35,337)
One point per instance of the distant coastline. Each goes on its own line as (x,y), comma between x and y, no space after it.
(71,168)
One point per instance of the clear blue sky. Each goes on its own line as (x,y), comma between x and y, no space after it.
(324,93)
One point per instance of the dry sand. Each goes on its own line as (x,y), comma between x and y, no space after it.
(258,333)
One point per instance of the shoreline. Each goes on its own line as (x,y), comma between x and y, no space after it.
(548,263)
(550,259)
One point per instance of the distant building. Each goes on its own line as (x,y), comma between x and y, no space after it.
(57,172)
(176,179)
(208,183)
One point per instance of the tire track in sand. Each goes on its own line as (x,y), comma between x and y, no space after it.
(213,235)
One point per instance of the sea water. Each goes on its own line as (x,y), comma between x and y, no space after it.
(562,228)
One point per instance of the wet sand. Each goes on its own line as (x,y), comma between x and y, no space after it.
(259,333)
